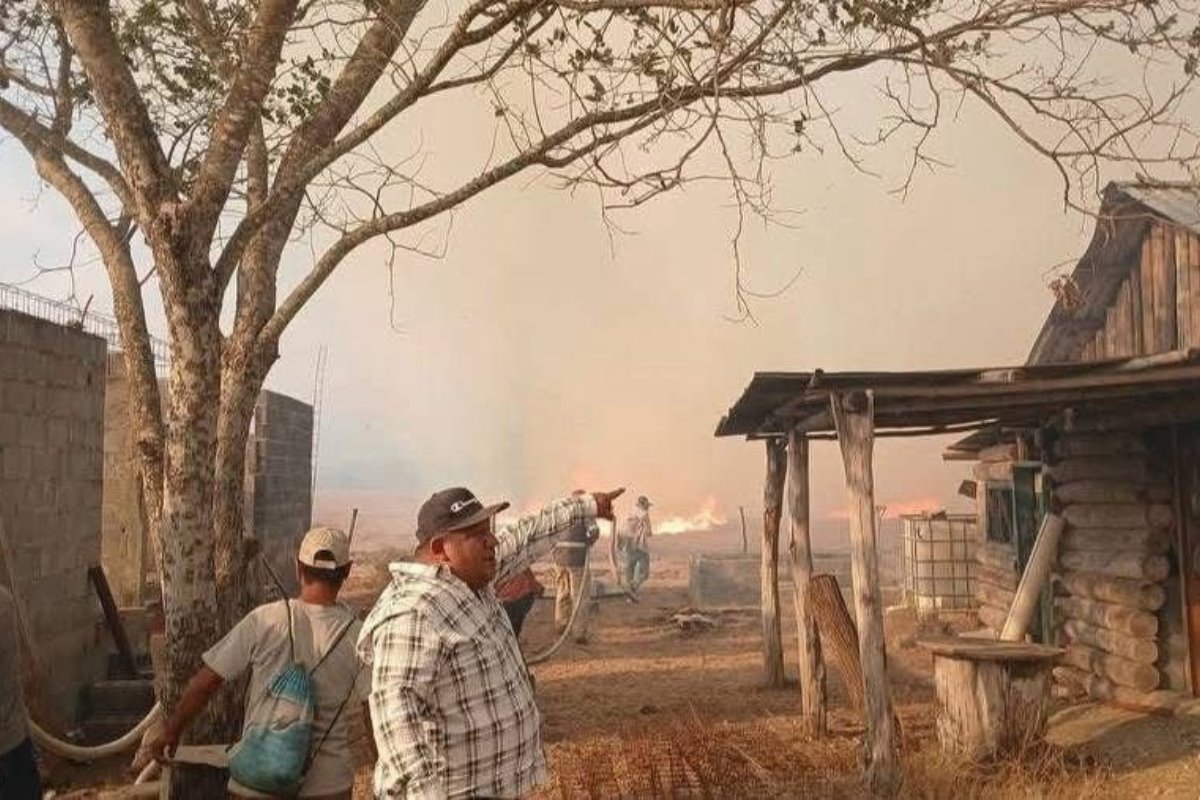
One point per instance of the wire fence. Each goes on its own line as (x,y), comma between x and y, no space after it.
(14,298)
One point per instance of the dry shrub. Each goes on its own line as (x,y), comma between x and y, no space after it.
(1036,770)
(688,758)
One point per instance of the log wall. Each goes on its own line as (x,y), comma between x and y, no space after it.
(1114,567)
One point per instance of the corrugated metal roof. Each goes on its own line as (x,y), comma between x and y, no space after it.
(1180,203)
(775,403)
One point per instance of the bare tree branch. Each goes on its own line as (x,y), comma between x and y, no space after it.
(240,113)
(89,28)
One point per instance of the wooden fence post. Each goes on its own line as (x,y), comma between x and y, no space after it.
(854,417)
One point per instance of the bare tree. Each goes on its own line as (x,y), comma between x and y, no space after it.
(198,138)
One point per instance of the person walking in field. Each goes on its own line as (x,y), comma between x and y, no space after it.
(635,546)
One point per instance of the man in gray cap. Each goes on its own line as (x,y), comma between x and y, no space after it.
(451,699)
(572,584)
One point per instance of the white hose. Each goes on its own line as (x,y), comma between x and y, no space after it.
(585,596)
(76,752)
(148,773)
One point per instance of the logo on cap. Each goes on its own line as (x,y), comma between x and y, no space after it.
(452,510)
(458,506)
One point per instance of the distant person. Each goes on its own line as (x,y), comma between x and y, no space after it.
(636,546)
(19,778)
(571,584)
(517,595)
(314,629)
(451,700)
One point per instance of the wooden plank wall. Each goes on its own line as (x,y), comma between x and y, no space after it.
(1158,306)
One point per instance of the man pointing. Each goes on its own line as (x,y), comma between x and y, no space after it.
(451,701)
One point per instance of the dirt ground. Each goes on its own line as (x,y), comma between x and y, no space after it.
(646,710)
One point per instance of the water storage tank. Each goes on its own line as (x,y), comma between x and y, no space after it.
(939,561)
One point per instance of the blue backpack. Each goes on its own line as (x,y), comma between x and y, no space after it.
(275,751)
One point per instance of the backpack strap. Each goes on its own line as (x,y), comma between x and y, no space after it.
(312,753)
(287,604)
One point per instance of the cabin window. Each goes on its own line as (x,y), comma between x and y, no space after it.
(999,513)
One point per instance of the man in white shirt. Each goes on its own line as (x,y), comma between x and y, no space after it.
(322,628)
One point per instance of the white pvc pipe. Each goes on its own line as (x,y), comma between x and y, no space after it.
(1037,571)
(76,752)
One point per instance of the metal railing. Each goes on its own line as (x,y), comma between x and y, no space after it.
(15,298)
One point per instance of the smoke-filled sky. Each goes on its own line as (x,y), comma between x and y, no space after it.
(541,353)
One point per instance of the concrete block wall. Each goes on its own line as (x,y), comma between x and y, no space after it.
(51,462)
(279,479)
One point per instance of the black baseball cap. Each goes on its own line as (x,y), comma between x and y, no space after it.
(452,510)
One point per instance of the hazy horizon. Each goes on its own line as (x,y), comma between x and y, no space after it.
(544,353)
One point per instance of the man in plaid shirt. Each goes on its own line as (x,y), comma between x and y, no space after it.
(451,700)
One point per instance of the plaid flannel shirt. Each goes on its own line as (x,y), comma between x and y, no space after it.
(451,701)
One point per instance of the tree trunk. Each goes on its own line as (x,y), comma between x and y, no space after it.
(854,416)
(812,668)
(772,512)
(188,574)
(240,387)
(989,708)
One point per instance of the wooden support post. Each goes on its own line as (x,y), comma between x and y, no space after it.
(112,617)
(854,417)
(812,668)
(772,512)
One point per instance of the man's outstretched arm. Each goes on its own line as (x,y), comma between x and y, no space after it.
(521,543)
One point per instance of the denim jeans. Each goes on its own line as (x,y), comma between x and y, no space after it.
(637,568)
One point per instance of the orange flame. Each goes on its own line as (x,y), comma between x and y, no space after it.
(920,505)
(708,517)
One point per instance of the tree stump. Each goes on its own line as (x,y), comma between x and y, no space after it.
(991,696)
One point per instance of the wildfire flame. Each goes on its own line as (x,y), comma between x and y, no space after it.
(708,517)
(898,509)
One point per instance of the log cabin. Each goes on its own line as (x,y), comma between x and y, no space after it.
(1100,425)
(1126,596)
